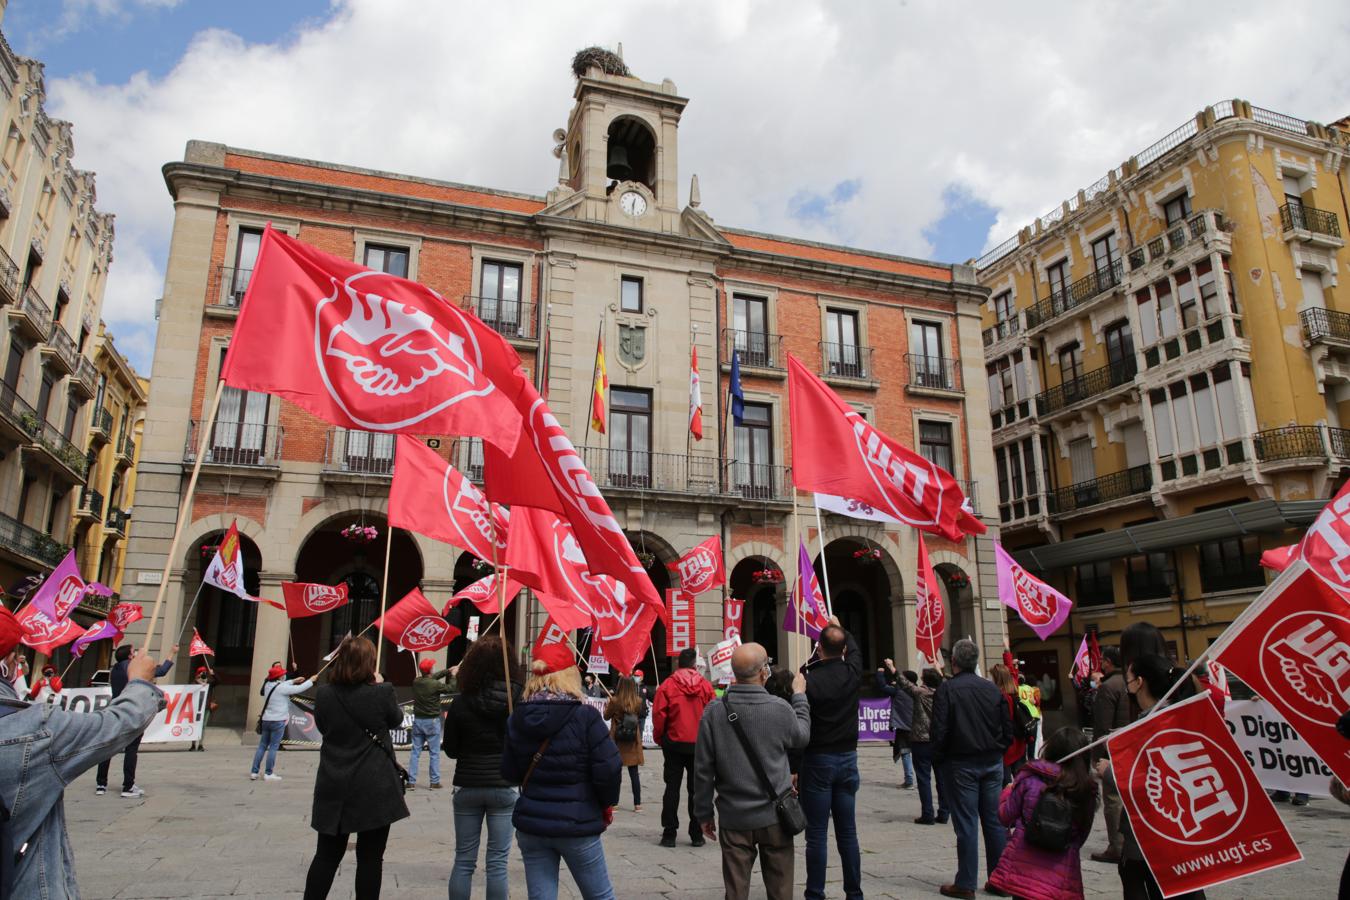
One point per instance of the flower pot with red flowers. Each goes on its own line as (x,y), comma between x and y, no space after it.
(358,533)
(868,555)
(768,576)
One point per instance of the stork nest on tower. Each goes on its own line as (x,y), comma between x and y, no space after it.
(598,57)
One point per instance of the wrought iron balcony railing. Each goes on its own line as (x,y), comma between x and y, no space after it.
(1076,294)
(126,450)
(760,481)
(933,372)
(86,377)
(1298,217)
(359,452)
(643,471)
(1338,439)
(117,519)
(509,318)
(247,444)
(845,361)
(62,449)
(1116,486)
(60,340)
(37,311)
(1290,442)
(228,286)
(19,538)
(17,412)
(1098,381)
(100,423)
(1323,324)
(91,503)
(9,279)
(758,349)
(1000,330)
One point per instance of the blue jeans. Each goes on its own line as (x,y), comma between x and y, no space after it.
(928,775)
(472,805)
(585,858)
(829,786)
(906,757)
(973,790)
(268,742)
(428,730)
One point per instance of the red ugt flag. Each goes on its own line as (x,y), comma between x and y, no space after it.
(1196,808)
(432,497)
(304,599)
(930,618)
(198,646)
(483,594)
(414,624)
(836,451)
(731,618)
(701,568)
(43,633)
(365,349)
(1295,653)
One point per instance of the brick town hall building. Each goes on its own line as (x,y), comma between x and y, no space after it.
(608,248)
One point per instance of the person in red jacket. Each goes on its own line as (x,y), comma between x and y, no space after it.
(49,679)
(675,716)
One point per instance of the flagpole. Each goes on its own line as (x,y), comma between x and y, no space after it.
(188,616)
(344,640)
(656,669)
(184,510)
(824,566)
(795,598)
(384,593)
(568,637)
(501,606)
(73,659)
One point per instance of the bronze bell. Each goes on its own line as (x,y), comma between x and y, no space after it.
(617,167)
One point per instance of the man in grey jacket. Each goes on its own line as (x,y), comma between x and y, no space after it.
(749,822)
(42,749)
(1110,710)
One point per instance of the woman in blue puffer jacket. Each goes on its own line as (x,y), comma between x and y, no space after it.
(567,798)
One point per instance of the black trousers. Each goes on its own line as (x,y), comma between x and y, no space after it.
(369,863)
(678,765)
(636,781)
(128,767)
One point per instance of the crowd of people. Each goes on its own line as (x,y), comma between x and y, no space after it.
(771,756)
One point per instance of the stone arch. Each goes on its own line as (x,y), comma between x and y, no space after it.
(764,602)
(963,613)
(863,589)
(656,665)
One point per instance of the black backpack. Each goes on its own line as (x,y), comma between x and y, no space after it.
(627,729)
(1024,723)
(1051,825)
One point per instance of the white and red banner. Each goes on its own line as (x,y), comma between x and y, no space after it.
(179,720)
(414,624)
(366,350)
(226,570)
(61,592)
(930,617)
(43,633)
(303,599)
(198,646)
(695,397)
(701,568)
(731,617)
(680,631)
(719,661)
(1294,652)
(1039,605)
(484,594)
(432,497)
(837,451)
(1196,808)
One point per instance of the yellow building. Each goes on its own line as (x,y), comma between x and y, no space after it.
(1168,355)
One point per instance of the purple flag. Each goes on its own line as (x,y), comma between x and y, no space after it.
(1039,605)
(61,592)
(813,617)
(98,632)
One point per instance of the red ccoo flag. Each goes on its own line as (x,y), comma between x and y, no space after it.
(365,349)
(312,599)
(836,451)
(198,646)
(432,497)
(414,624)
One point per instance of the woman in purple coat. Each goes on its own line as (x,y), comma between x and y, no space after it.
(1025,870)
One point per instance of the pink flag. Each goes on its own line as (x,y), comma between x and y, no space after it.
(807,596)
(61,592)
(97,632)
(1082,662)
(1039,605)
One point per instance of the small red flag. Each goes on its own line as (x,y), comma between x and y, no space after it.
(43,633)
(312,599)
(701,568)
(432,497)
(930,617)
(550,634)
(1280,558)
(414,624)
(483,594)
(198,646)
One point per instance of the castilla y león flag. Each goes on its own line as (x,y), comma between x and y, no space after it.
(304,599)
(930,618)
(837,451)
(701,568)
(1039,605)
(484,593)
(414,624)
(1195,806)
(432,497)
(1294,651)
(364,349)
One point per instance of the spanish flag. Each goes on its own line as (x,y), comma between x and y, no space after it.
(599,385)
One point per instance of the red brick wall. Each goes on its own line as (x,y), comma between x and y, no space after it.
(254,508)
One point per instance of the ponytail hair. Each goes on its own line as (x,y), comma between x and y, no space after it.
(1158,673)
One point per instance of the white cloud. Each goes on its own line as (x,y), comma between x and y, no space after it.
(785,97)
(77,15)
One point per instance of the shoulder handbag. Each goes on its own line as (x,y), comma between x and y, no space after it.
(539,754)
(403,777)
(258,726)
(788,808)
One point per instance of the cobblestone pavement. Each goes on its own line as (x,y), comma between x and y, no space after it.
(204,830)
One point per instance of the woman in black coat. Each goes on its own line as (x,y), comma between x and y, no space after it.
(357,790)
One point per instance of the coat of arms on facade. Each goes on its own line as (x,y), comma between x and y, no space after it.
(632,344)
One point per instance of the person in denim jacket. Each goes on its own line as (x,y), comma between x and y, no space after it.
(43,748)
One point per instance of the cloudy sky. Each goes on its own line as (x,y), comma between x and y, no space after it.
(931,129)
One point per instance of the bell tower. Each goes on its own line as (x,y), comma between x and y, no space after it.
(620,150)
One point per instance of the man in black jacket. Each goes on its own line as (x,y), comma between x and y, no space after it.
(117,681)
(971,729)
(828,781)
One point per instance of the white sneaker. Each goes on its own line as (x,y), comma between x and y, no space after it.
(100,790)
(252,776)
(271,778)
(134,793)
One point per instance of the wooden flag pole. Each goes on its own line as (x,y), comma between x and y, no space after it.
(567,637)
(384,593)
(188,616)
(345,639)
(184,511)
(501,607)
(824,565)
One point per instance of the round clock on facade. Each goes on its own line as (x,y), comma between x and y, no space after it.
(633,203)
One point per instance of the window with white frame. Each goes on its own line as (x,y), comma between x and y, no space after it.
(1015,465)
(1003,309)
(1058,276)
(1196,414)
(1007,380)
(935,443)
(1177,209)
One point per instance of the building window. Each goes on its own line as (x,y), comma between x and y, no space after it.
(1106,260)
(391,260)
(1177,209)
(630,437)
(1003,309)
(13,144)
(926,354)
(630,294)
(45,396)
(245,256)
(1017,485)
(1058,275)
(842,355)
(1093,584)
(240,432)
(1231,564)
(1119,346)
(1150,576)
(499,296)
(14,364)
(25,498)
(1070,362)
(935,443)
(62,302)
(750,330)
(72,411)
(753,468)
(1293,192)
